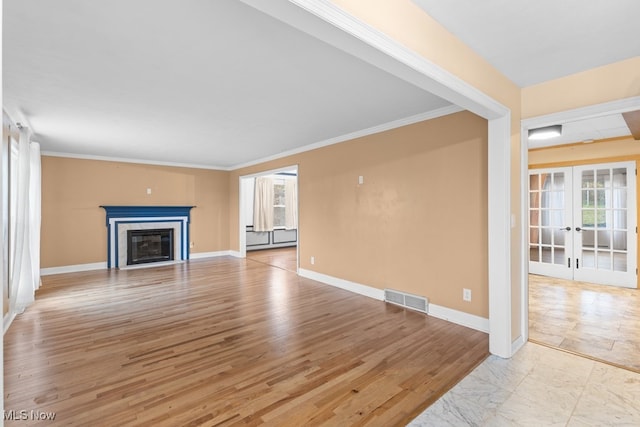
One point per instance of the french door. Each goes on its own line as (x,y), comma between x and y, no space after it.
(582,223)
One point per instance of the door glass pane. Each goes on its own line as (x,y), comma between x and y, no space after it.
(534,200)
(587,179)
(545,254)
(534,182)
(588,238)
(588,259)
(604,260)
(558,237)
(619,240)
(619,177)
(604,239)
(559,256)
(557,199)
(533,253)
(534,235)
(619,262)
(546,236)
(588,218)
(534,217)
(588,198)
(601,199)
(557,218)
(545,217)
(619,219)
(558,181)
(603,178)
(619,198)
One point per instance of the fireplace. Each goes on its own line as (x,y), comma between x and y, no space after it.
(121,220)
(153,245)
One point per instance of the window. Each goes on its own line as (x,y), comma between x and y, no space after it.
(278,202)
(275,203)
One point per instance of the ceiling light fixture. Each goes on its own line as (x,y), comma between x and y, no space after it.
(546,132)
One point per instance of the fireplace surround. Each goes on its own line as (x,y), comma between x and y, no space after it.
(123,219)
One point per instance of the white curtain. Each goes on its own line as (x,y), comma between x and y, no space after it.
(25,223)
(263,204)
(291,204)
(35,211)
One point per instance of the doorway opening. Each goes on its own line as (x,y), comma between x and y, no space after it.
(269,218)
(580,287)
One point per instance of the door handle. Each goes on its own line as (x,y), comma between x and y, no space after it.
(567,228)
(578,229)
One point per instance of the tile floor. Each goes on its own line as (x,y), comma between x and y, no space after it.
(596,320)
(539,386)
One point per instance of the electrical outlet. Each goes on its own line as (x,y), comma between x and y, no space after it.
(191,245)
(313,260)
(466,294)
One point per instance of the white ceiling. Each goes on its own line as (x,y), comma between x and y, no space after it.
(534,41)
(609,126)
(192,82)
(221,84)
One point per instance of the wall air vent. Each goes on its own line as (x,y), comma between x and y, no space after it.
(404,299)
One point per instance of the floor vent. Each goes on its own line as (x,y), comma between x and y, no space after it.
(404,299)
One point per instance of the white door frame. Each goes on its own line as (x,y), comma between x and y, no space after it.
(591,111)
(242,224)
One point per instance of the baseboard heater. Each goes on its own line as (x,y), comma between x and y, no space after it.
(404,299)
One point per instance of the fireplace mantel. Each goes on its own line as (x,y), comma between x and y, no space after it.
(122,218)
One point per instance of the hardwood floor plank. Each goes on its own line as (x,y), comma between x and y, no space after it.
(226,341)
(285,258)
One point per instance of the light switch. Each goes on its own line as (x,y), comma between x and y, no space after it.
(361,180)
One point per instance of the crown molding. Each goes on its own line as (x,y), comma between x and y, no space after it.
(130,160)
(444,111)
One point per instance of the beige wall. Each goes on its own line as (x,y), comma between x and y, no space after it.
(417,224)
(603,84)
(73,224)
(405,22)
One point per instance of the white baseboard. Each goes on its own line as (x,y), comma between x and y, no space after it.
(517,344)
(102,265)
(459,317)
(343,284)
(454,316)
(200,255)
(6,322)
(73,268)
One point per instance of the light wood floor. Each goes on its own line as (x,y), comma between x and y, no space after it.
(226,341)
(285,258)
(602,322)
